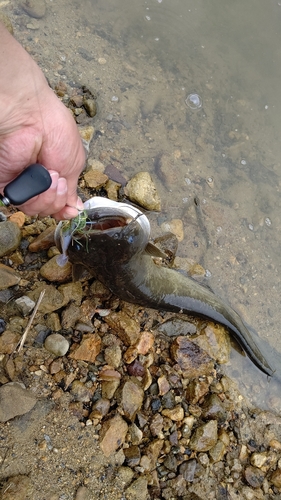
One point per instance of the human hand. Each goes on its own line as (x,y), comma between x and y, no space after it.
(35,127)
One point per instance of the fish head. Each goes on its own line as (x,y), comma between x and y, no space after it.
(106,233)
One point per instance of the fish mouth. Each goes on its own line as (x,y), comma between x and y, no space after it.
(105,223)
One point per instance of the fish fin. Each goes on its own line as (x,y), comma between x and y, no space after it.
(154,251)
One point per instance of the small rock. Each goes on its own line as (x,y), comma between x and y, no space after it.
(132,398)
(254,476)
(25,305)
(56,344)
(15,400)
(34,8)
(156,425)
(70,315)
(204,437)
(176,327)
(89,348)
(175,226)
(8,342)
(213,409)
(276,478)
(163,385)
(138,489)
(127,329)
(83,493)
(109,387)
(44,241)
(125,475)
(196,389)
(141,190)
(8,277)
(95,179)
(52,299)
(113,355)
(191,358)
(100,408)
(217,452)
(86,134)
(52,271)
(136,369)
(215,340)
(113,434)
(259,459)
(17,488)
(90,107)
(187,470)
(176,414)
(80,392)
(135,434)
(10,237)
(95,165)
(132,455)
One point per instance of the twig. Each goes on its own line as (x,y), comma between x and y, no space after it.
(23,339)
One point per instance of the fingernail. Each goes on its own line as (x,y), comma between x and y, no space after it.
(62,185)
(79,204)
(55,178)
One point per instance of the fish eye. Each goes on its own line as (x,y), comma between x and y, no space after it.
(130,239)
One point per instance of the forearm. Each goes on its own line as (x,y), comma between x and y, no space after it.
(21,80)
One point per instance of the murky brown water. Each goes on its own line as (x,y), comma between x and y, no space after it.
(144,58)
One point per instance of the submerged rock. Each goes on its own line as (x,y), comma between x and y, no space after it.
(141,190)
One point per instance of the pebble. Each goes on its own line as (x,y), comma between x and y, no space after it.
(191,358)
(43,241)
(87,134)
(100,408)
(187,469)
(138,489)
(113,355)
(52,271)
(175,414)
(8,277)
(216,341)
(127,328)
(34,8)
(90,107)
(113,433)
(204,437)
(25,305)
(56,344)
(132,455)
(142,190)
(213,408)
(276,478)
(88,349)
(8,342)
(175,226)
(95,179)
(15,400)
(254,476)
(131,399)
(10,237)
(83,493)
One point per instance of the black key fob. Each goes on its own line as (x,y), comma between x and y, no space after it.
(33,180)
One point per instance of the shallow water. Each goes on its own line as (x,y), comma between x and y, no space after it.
(145,59)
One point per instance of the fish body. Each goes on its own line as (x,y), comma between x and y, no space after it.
(113,247)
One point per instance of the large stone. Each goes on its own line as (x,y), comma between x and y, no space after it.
(113,434)
(14,401)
